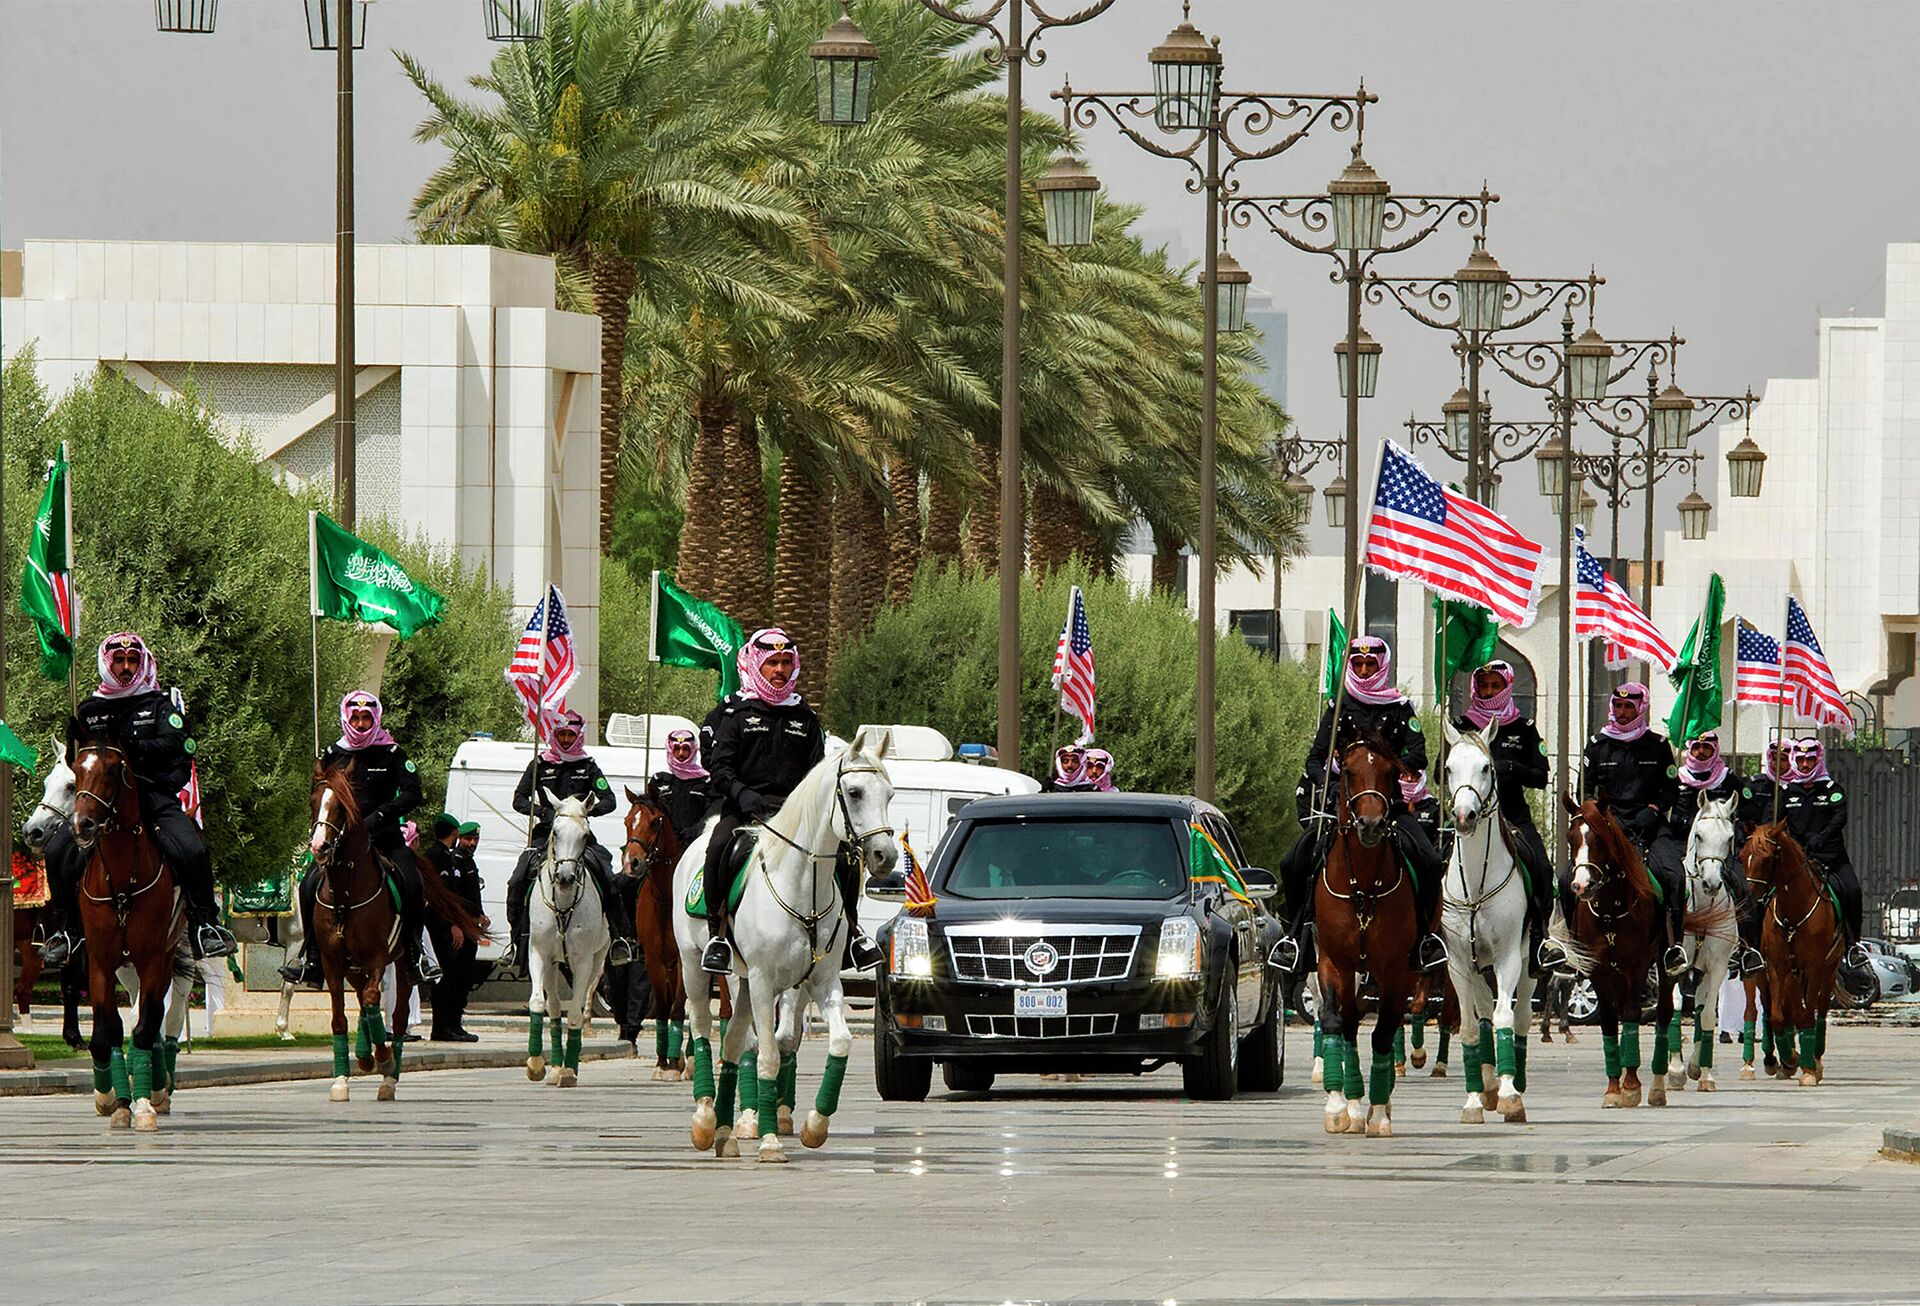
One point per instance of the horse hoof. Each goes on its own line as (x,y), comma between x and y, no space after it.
(1746,1072)
(387,1085)
(814,1132)
(1518,1116)
(747,1125)
(1693,1073)
(1545,1036)
(1417,1058)
(729,1147)
(145,1119)
(1380,1122)
(365,1064)
(1707,1085)
(1356,1119)
(163,1101)
(553,1077)
(660,1075)
(1336,1121)
(536,1069)
(286,1035)
(1399,1070)
(1509,1107)
(1630,1097)
(1439,1070)
(1472,1115)
(569,1078)
(783,1121)
(1490,1098)
(103,1104)
(1614,1098)
(122,1118)
(1657,1095)
(1677,1081)
(1808,1079)
(1319,1071)
(1568,1037)
(771,1153)
(338,1093)
(703,1124)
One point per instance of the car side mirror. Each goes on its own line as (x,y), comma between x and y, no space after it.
(1260,882)
(888,888)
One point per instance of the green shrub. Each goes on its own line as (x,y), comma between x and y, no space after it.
(933,661)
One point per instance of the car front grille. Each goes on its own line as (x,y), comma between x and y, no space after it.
(1083,954)
(1088,1026)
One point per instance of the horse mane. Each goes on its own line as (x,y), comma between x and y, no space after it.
(1615,848)
(334,780)
(1770,841)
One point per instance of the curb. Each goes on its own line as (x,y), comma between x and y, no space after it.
(1901,1144)
(282,1069)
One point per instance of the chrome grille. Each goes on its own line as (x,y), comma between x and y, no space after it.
(1088,1026)
(1086,953)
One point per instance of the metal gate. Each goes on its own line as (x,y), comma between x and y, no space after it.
(1883,822)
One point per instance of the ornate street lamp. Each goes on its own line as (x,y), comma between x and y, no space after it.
(1588,506)
(1591,358)
(1672,417)
(1457,413)
(1232,280)
(1068,194)
(188,17)
(1337,503)
(1746,461)
(1367,351)
(323,21)
(1186,77)
(1359,201)
(1300,490)
(1694,511)
(843,64)
(1482,290)
(515,20)
(1551,461)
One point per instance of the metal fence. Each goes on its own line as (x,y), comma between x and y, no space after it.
(1883,822)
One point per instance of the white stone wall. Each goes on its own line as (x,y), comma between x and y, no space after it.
(477,400)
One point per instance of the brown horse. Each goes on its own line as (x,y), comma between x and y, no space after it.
(30,928)
(1615,931)
(1365,921)
(648,857)
(1800,938)
(132,915)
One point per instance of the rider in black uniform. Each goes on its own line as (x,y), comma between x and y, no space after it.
(1371,709)
(1069,772)
(1705,776)
(1816,813)
(131,712)
(386,786)
(1632,766)
(1759,793)
(685,788)
(1519,764)
(563,770)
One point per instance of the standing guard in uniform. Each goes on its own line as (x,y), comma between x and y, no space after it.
(1519,764)
(1705,775)
(563,770)
(1631,766)
(1758,794)
(452,947)
(1373,710)
(1815,809)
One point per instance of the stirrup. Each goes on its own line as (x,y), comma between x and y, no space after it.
(1752,962)
(865,953)
(211,940)
(718,958)
(621,952)
(57,951)
(1858,957)
(1674,961)
(426,970)
(1431,954)
(1285,956)
(1552,956)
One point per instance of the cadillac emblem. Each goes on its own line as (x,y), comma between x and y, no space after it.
(1041,958)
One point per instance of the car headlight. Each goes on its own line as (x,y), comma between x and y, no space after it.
(912,952)
(1179,949)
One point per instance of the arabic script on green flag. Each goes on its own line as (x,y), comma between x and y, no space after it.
(354,581)
(46,583)
(691,632)
(1696,676)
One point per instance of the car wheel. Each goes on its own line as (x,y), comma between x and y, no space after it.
(1212,1073)
(1583,1003)
(966,1076)
(1263,1051)
(1868,994)
(897,1078)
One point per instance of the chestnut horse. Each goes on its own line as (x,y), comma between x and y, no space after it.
(1365,921)
(30,926)
(1800,938)
(648,857)
(133,917)
(1615,932)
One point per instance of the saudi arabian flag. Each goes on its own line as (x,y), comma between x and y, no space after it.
(1336,656)
(350,580)
(1696,676)
(46,584)
(690,632)
(1207,863)
(1467,634)
(13,749)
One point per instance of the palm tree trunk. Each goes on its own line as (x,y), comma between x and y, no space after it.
(702,529)
(1084,541)
(943,523)
(903,529)
(859,564)
(983,514)
(612,278)
(1166,562)
(803,556)
(741,585)
(1052,539)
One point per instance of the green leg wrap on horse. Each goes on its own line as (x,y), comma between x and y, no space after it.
(1418,1035)
(723,1100)
(1520,1064)
(1629,1045)
(1703,1048)
(398,1048)
(558,1028)
(1821,1047)
(1327,1046)
(702,1069)
(573,1049)
(789,1078)
(536,1034)
(1610,1050)
(660,1039)
(140,1071)
(676,1038)
(375,1019)
(1470,1060)
(122,1086)
(171,1048)
(103,1076)
(1486,1039)
(1380,1082)
(827,1100)
(1400,1044)
(1446,1042)
(1746,1041)
(722,1023)
(1663,1036)
(1355,1085)
(340,1061)
(363,1037)
(1319,1041)
(1504,1063)
(1809,1046)
(750,1080)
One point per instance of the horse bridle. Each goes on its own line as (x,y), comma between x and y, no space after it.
(112,823)
(1489,804)
(1351,824)
(652,850)
(810,921)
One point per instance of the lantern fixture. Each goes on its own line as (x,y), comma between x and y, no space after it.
(1588,506)
(322,20)
(843,64)
(1300,490)
(1230,297)
(188,17)
(1337,503)
(1068,194)
(1590,358)
(1457,413)
(1482,289)
(1551,461)
(1186,77)
(1368,354)
(515,20)
(1694,511)
(1359,198)
(1746,463)
(1672,418)
(1493,491)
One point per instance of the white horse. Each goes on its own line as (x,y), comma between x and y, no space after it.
(787,934)
(1483,916)
(1712,935)
(565,926)
(284,932)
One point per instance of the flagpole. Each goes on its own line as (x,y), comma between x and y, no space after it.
(313,614)
(1780,709)
(539,706)
(1353,620)
(73,591)
(653,655)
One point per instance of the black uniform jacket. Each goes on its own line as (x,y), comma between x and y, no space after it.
(153,733)
(580,778)
(385,784)
(762,751)
(1637,777)
(1519,764)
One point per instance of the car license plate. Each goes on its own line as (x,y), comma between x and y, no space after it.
(1039,1002)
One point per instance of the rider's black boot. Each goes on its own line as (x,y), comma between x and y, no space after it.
(622,948)
(718,958)
(64,941)
(1674,960)
(425,969)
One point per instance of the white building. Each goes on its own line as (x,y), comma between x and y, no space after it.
(477,401)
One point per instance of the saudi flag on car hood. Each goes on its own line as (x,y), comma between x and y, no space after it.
(1208,863)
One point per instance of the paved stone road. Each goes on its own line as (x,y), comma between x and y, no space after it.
(478,1186)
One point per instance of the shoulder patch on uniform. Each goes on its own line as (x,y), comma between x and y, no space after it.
(1543,748)
(175,720)
(600,782)
(192,746)
(1746,791)
(411,766)
(1673,770)
(1836,796)
(1413,724)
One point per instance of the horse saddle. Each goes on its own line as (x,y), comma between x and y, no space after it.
(739,853)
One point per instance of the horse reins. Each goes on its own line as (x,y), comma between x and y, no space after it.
(1472,906)
(121,900)
(810,921)
(1366,902)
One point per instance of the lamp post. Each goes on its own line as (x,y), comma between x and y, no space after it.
(507,20)
(1293,457)
(1355,221)
(1215,131)
(844,57)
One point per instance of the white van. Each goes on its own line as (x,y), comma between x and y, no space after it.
(929,786)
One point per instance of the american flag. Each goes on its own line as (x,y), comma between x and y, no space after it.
(1601,606)
(543,666)
(1805,675)
(1073,666)
(920,899)
(1445,541)
(1756,668)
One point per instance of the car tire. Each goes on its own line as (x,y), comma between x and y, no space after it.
(1262,1052)
(1858,1001)
(966,1076)
(897,1078)
(1211,1074)
(1583,1003)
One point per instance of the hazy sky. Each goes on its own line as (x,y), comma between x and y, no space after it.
(1733,167)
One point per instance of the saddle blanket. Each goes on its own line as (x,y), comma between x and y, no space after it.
(30,887)
(742,850)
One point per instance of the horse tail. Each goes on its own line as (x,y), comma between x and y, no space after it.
(1579,956)
(447,904)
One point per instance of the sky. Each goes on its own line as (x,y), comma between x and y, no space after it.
(1734,168)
